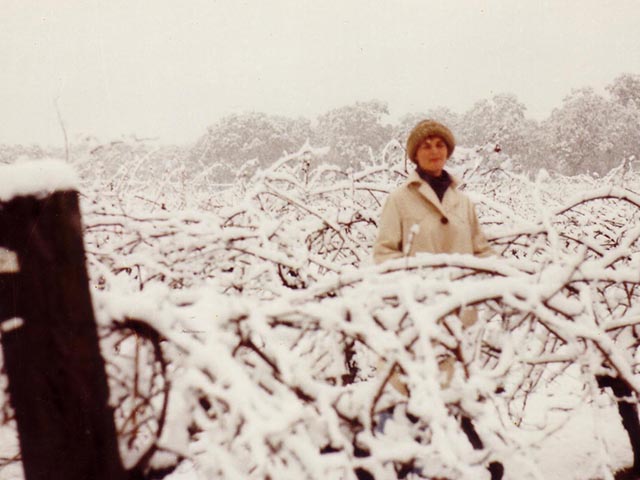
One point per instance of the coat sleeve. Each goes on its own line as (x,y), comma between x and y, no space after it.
(388,244)
(481,246)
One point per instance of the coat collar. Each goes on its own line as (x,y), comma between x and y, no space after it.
(448,201)
(414,177)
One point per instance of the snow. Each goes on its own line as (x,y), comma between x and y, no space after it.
(263,292)
(37,178)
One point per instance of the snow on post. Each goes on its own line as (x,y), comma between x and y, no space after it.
(36,178)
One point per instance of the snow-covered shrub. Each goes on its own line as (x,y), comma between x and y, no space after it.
(270,292)
(258,315)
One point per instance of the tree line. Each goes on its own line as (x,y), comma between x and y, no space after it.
(588,133)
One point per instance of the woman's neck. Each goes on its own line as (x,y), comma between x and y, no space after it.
(438,184)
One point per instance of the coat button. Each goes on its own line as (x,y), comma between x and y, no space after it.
(444,220)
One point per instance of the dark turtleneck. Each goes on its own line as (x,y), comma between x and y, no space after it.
(438,184)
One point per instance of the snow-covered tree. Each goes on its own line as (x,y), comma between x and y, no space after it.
(499,124)
(354,133)
(625,89)
(589,133)
(238,138)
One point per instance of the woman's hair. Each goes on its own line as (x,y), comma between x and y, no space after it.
(426,129)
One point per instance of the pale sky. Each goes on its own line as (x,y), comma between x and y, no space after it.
(168,69)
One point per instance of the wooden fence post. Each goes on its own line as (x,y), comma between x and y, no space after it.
(57,382)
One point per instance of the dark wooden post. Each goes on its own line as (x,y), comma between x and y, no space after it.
(628,411)
(57,381)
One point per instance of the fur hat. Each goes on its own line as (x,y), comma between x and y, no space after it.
(426,129)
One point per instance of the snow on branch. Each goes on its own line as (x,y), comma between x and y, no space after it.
(284,343)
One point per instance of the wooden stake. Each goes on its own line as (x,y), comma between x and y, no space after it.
(57,381)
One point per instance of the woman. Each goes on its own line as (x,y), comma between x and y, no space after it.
(428,213)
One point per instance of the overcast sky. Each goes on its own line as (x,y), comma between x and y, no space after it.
(168,69)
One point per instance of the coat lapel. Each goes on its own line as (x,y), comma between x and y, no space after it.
(427,192)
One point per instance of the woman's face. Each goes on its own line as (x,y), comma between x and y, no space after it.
(431,155)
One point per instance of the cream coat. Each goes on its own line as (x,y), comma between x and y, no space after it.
(413,220)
